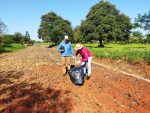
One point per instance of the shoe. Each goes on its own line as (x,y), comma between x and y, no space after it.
(66,72)
(88,77)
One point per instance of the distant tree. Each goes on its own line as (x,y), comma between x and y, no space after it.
(123,28)
(7,38)
(1,39)
(147,38)
(138,36)
(27,37)
(77,35)
(18,38)
(3,28)
(143,21)
(105,22)
(53,28)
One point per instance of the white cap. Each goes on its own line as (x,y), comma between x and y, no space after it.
(66,37)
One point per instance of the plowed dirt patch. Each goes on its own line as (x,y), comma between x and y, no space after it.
(32,81)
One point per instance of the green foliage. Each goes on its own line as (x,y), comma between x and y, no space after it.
(136,37)
(137,34)
(104,22)
(147,40)
(77,35)
(16,38)
(3,28)
(27,38)
(147,57)
(9,47)
(7,39)
(53,28)
(143,21)
(131,52)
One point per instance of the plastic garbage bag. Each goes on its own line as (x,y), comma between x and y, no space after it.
(77,75)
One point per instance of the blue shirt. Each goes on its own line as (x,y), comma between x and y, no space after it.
(68,49)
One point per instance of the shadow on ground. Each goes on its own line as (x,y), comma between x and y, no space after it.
(97,47)
(26,97)
(51,46)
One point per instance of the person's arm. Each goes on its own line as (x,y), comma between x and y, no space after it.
(59,48)
(76,53)
(72,52)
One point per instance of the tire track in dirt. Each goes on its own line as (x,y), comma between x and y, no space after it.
(36,77)
(123,72)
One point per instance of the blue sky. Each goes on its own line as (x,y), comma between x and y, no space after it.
(24,15)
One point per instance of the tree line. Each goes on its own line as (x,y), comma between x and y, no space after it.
(16,38)
(104,23)
(13,38)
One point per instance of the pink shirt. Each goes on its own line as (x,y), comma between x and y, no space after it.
(85,53)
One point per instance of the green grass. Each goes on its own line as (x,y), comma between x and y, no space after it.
(46,44)
(131,52)
(10,47)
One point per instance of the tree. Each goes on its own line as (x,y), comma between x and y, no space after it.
(7,38)
(104,22)
(137,37)
(3,28)
(137,34)
(18,38)
(53,28)
(27,37)
(143,21)
(77,35)
(147,38)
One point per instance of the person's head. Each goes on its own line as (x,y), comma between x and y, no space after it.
(78,47)
(66,38)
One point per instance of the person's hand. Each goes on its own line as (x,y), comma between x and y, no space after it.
(78,62)
(62,50)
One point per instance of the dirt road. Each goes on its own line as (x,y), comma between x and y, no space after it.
(31,81)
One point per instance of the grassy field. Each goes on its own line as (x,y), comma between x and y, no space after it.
(130,52)
(133,52)
(10,47)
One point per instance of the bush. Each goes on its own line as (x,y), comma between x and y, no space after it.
(147,56)
(8,39)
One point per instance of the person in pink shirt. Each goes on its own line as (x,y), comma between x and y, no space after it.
(86,58)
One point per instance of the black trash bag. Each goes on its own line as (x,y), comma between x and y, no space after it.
(77,75)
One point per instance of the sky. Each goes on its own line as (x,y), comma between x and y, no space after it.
(25,15)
